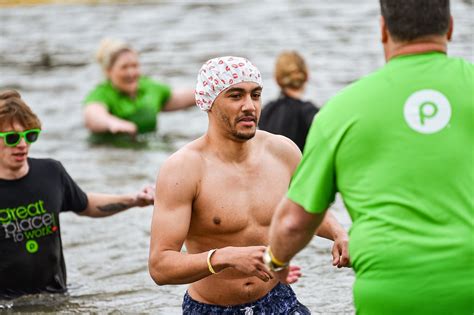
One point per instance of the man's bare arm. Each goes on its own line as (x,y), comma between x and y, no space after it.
(287,150)
(103,205)
(330,227)
(175,191)
(292,228)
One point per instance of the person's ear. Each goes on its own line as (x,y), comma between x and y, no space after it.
(450,28)
(383,30)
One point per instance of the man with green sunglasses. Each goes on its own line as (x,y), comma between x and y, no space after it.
(12,138)
(33,192)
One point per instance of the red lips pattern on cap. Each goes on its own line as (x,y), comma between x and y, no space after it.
(218,74)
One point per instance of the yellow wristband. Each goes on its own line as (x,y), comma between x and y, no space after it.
(209,254)
(276,261)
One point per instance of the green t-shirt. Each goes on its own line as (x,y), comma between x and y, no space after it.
(150,99)
(398,146)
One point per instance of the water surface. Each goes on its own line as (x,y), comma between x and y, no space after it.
(47,53)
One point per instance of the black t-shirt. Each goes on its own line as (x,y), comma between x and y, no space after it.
(31,252)
(289,117)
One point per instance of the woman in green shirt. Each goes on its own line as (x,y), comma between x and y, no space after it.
(128,102)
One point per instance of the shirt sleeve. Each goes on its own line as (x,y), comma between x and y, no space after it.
(162,91)
(313,185)
(100,94)
(74,198)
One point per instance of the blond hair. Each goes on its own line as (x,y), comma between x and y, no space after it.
(14,110)
(290,70)
(108,51)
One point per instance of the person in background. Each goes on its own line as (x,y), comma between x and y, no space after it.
(289,115)
(217,196)
(397,145)
(128,102)
(33,192)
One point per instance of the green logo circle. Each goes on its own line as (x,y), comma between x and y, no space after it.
(32,246)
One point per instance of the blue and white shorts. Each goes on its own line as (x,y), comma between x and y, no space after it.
(280,300)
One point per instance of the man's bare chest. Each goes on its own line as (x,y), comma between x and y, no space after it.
(230,201)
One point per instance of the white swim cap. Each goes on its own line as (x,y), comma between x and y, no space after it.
(218,74)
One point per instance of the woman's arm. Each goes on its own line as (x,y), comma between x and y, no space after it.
(98,119)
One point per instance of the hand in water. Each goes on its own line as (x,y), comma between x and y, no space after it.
(118,125)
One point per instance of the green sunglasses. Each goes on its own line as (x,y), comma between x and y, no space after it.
(12,138)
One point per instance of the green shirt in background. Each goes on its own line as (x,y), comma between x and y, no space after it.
(398,146)
(150,99)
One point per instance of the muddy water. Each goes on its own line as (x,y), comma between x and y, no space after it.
(46,52)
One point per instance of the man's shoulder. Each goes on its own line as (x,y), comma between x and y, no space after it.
(279,146)
(44,162)
(189,156)
(361,85)
(183,168)
(461,69)
(460,61)
(355,94)
(45,166)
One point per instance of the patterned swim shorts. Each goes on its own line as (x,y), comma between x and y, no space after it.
(280,300)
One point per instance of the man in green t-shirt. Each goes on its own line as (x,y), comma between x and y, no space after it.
(397,145)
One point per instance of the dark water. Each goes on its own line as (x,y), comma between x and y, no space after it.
(46,52)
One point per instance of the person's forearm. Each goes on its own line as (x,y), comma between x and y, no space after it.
(96,118)
(103,205)
(98,124)
(330,228)
(172,267)
(291,230)
(101,123)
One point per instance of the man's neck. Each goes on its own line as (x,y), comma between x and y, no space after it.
(11,174)
(395,49)
(228,149)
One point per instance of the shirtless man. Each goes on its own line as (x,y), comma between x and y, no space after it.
(219,192)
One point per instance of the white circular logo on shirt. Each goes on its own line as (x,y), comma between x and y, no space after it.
(427,111)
